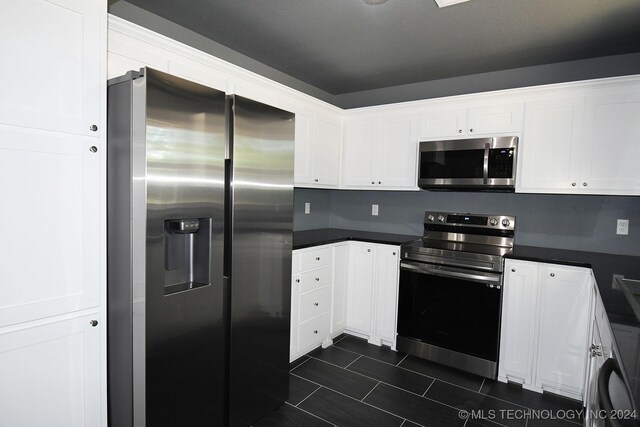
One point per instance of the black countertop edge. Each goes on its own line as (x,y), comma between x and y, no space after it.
(324,236)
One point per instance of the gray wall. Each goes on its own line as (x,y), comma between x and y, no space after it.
(557,221)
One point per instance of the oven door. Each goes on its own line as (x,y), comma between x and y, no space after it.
(452,308)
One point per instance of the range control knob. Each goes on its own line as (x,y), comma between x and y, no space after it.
(431,218)
(441,218)
(493,221)
(505,222)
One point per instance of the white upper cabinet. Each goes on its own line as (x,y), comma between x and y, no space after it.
(302,173)
(612,143)
(472,121)
(53,55)
(51,197)
(325,150)
(550,148)
(380,153)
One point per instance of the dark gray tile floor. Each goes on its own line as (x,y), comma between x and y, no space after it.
(353,384)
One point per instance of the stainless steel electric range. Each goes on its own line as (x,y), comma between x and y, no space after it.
(450,295)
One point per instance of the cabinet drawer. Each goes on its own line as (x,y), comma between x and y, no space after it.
(315,259)
(315,279)
(313,304)
(313,331)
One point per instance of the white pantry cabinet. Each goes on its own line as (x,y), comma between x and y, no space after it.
(52,54)
(555,301)
(459,122)
(380,153)
(51,374)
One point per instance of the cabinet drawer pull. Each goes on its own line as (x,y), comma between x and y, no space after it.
(373,182)
(93,149)
(513,269)
(317,279)
(94,323)
(552,274)
(584,184)
(315,303)
(459,130)
(315,331)
(297,280)
(368,250)
(394,253)
(573,184)
(93,128)
(316,180)
(379,182)
(317,258)
(471,130)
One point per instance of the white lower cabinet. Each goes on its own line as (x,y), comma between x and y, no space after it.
(372,291)
(54,374)
(349,286)
(545,326)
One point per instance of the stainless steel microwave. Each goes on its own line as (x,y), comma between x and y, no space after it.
(469,164)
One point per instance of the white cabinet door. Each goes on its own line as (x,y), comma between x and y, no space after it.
(339,297)
(360,291)
(51,205)
(51,375)
(612,156)
(359,151)
(295,292)
(517,340)
(325,151)
(490,120)
(443,124)
(565,305)
(550,150)
(396,163)
(387,267)
(302,173)
(53,58)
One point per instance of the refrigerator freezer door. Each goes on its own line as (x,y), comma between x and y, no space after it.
(261,239)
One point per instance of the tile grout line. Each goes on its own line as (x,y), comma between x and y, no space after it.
(319,387)
(365,403)
(374,387)
(403,421)
(312,414)
(357,358)
(300,364)
(480,389)
(425,392)
(336,342)
(405,356)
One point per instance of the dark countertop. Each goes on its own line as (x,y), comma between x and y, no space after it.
(618,308)
(324,236)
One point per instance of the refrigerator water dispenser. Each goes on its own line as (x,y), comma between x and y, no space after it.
(187,254)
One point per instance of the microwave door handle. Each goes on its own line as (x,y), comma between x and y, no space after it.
(485,166)
(477,277)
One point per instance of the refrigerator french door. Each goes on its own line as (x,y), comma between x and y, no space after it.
(200,189)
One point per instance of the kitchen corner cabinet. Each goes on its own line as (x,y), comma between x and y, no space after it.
(470,122)
(380,153)
(53,54)
(582,144)
(52,374)
(317,150)
(556,300)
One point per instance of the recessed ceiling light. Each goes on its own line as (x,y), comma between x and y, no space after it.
(445,3)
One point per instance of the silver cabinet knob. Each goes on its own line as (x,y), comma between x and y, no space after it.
(93,323)
(394,253)
(316,180)
(513,269)
(470,130)
(552,274)
(373,182)
(297,280)
(317,279)
(584,184)
(93,128)
(573,184)
(317,258)
(315,331)
(93,149)
(459,130)
(368,250)
(379,182)
(315,303)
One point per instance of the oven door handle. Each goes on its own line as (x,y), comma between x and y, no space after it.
(439,271)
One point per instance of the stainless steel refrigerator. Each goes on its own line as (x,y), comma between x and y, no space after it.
(200,192)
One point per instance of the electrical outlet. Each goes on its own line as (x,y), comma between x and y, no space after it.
(307,208)
(623,227)
(374,210)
